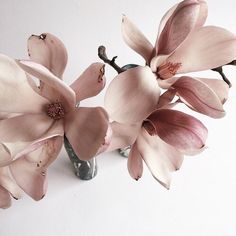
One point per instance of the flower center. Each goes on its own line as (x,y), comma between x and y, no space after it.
(55,111)
(168,70)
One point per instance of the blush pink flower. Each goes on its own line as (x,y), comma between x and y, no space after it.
(183,45)
(161,140)
(34,120)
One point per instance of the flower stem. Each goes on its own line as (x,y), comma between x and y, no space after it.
(220,71)
(102,55)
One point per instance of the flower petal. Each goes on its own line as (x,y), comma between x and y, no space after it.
(160,157)
(49,79)
(166,98)
(132,95)
(16,95)
(90,83)
(135,163)
(8,183)
(49,51)
(199,96)
(30,171)
(178,26)
(86,129)
(178,129)
(220,88)
(206,48)
(135,39)
(5,199)
(123,135)
(20,135)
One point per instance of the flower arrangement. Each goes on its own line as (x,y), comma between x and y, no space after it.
(39,111)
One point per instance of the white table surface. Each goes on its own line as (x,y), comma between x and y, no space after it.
(202,198)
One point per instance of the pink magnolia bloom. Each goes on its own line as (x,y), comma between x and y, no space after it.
(34,120)
(183,45)
(161,140)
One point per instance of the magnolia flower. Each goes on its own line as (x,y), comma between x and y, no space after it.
(183,45)
(161,140)
(35,119)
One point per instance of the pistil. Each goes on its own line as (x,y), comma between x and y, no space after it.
(55,111)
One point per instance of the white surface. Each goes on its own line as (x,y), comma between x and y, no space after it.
(201,200)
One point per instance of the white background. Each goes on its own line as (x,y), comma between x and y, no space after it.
(202,198)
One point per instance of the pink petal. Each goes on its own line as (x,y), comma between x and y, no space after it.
(90,83)
(135,163)
(30,171)
(199,96)
(132,95)
(63,92)
(16,95)
(206,48)
(8,183)
(178,129)
(5,199)
(135,39)
(49,51)
(20,135)
(123,135)
(166,98)
(220,88)
(179,25)
(160,157)
(202,16)
(86,129)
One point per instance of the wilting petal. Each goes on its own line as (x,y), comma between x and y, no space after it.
(49,51)
(16,94)
(179,25)
(218,86)
(86,129)
(23,134)
(8,183)
(206,48)
(123,135)
(178,129)
(135,163)
(132,95)
(199,96)
(30,171)
(62,91)
(5,199)
(91,82)
(160,157)
(135,39)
